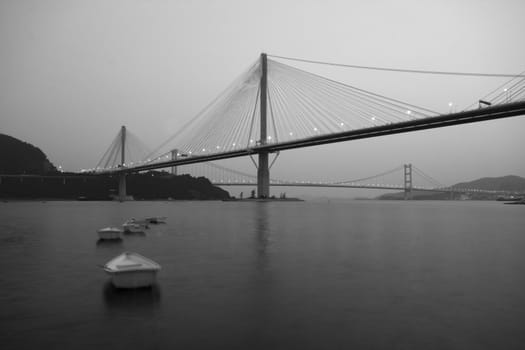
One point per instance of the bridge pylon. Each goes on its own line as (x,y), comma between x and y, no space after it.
(263,170)
(408,181)
(122,196)
(174,156)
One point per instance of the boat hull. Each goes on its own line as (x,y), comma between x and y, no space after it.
(133,279)
(132,270)
(109,235)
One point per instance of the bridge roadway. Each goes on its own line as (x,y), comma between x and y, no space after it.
(465,117)
(326,185)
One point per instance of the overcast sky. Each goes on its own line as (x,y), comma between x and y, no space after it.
(72,72)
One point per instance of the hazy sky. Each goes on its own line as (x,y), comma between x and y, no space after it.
(72,72)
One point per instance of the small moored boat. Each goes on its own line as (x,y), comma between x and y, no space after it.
(132,270)
(156,220)
(109,233)
(133,227)
(149,220)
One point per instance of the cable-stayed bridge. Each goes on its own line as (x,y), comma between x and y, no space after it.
(273,107)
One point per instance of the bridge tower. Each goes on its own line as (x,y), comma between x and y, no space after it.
(122,176)
(408,181)
(174,156)
(263,171)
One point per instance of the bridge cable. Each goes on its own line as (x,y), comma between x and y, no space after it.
(357,89)
(401,70)
(428,177)
(204,110)
(110,148)
(498,89)
(369,177)
(310,99)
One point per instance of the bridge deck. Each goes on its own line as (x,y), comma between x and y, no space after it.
(472,116)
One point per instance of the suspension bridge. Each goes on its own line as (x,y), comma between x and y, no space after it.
(273,107)
(406,178)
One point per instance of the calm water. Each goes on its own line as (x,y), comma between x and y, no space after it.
(355,275)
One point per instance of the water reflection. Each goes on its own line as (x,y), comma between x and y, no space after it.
(262,234)
(134,234)
(108,242)
(136,299)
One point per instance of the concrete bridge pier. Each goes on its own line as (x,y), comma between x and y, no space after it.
(122,196)
(174,156)
(263,170)
(263,176)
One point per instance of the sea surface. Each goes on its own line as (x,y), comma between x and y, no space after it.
(295,275)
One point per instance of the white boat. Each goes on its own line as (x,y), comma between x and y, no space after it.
(132,270)
(133,227)
(109,233)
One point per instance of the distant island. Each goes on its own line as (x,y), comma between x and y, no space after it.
(509,183)
(27,173)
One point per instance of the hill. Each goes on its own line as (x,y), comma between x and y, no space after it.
(19,157)
(509,183)
(28,174)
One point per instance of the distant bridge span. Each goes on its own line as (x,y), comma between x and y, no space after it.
(371,187)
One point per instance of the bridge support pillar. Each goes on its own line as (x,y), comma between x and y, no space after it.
(174,156)
(263,177)
(408,181)
(122,196)
(263,170)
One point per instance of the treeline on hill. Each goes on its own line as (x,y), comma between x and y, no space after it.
(151,185)
(19,157)
(26,173)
